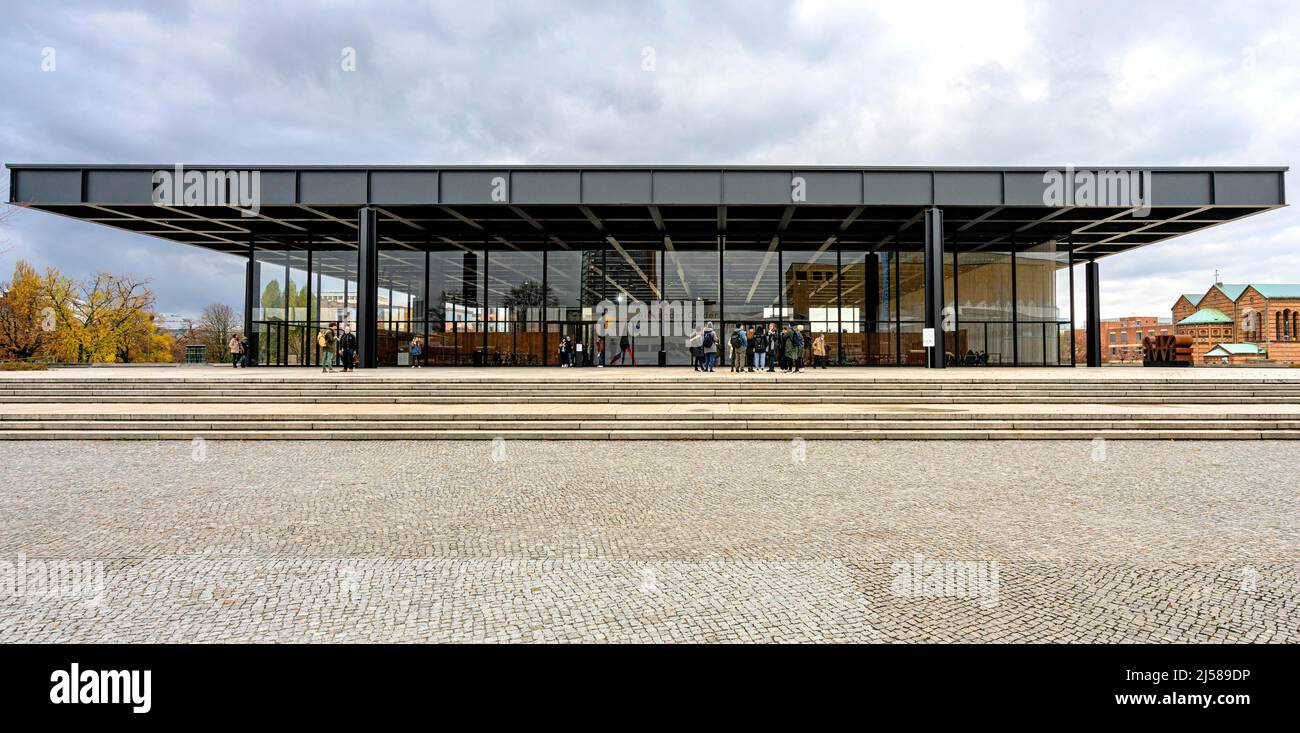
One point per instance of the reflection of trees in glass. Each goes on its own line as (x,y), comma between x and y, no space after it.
(528,294)
(271,295)
(525,295)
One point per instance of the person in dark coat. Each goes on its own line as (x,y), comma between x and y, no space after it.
(348,350)
(773,347)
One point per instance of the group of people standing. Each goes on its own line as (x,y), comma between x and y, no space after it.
(332,342)
(238,348)
(571,352)
(754,348)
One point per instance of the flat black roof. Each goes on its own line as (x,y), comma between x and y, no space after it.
(527,206)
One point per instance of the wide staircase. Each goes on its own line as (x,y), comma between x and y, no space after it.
(684,406)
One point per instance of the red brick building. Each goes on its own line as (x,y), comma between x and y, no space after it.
(1241,323)
(1121,338)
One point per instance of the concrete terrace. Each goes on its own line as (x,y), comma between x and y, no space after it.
(549,374)
(648,403)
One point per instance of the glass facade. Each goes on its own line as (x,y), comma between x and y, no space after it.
(503,306)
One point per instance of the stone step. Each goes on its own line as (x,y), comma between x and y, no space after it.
(754,397)
(798,380)
(653,434)
(695,416)
(646,389)
(644,424)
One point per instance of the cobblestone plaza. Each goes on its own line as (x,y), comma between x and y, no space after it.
(828,541)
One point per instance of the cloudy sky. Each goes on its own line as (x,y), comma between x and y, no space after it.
(798,83)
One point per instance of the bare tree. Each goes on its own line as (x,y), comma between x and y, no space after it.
(7,212)
(215,324)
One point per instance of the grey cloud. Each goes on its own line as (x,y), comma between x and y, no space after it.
(738,81)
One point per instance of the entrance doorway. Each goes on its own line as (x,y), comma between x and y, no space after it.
(583,336)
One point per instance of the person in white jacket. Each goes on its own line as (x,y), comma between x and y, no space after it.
(697,353)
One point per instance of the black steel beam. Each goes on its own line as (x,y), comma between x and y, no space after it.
(1092,286)
(250,292)
(367,288)
(934,285)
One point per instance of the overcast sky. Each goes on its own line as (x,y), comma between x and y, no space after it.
(549,82)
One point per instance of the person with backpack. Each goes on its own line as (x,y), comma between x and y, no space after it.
(236,350)
(327,340)
(697,351)
(758,346)
(709,346)
(738,346)
(795,349)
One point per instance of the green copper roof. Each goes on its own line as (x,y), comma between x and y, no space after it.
(1278,291)
(1194,298)
(1232,291)
(1234,350)
(1205,316)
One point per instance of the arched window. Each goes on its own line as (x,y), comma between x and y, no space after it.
(1277,326)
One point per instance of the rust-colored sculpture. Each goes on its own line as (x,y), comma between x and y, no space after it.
(1167,350)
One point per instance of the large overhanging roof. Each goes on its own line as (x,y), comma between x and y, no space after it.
(528,206)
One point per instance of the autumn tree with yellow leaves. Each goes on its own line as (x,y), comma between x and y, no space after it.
(25,325)
(104,319)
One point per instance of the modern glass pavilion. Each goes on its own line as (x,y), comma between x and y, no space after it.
(492,265)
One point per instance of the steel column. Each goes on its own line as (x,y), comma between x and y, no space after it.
(367,288)
(934,285)
(1073,347)
(250,295)
(1092,288)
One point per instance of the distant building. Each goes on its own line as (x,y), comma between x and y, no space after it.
(1121,338)
(1234,324)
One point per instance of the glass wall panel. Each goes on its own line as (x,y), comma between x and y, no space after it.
(912,344)
(1036,282)
(517,307)
(878,346)
(269,313)
(298,345)
(335,290)
(1042,271)
(692,276)
(867,307)
(808,279)
(401,305)
(512,306)
(270,267)
(810,293)
(984,305)
(457,309)
(911,283)
(575,284)
(575,279)
(752,283)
